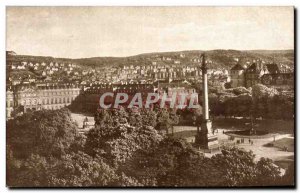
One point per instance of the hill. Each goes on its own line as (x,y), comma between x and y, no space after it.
(220,58)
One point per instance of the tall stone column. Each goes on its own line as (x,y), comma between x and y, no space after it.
(205,90)
(205,138)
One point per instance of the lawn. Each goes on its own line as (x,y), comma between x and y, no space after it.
(285,142)
(271,126)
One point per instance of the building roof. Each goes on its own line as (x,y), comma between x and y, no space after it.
(10,53)
(273,68)
(257,67)
(278,68)
(238,67)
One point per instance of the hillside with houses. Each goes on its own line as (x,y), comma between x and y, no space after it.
(217,58)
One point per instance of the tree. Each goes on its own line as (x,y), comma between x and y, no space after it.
(238,168)
(32,172)
(149,117)
(243,105)
(151,166)
(166,120)
(12,166)
(267,173)
(175,163)
(197,117)
(102,117)
(80,170)
(230,106)
(260,90)
(46,133)
(116,144)
(288,179)
(71,170)
(134,117)
(269,103)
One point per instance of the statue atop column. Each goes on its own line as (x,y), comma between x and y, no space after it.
(205,138)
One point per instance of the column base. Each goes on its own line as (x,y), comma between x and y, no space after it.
(205,139)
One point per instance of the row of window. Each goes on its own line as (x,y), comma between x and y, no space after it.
(47,101)
(250,83)
(57,100)
(59,93)
(251,75)
(9,103)
(52,93)
(54,107)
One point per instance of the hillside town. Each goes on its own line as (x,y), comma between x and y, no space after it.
(54,85)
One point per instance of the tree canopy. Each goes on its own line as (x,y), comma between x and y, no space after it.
(44,149)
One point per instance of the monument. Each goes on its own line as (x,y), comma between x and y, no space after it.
(205,138)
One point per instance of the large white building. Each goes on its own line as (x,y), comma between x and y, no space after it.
(40,97)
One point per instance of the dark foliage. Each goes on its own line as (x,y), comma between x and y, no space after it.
(44,150)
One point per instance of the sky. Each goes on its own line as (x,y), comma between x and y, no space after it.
(80,32)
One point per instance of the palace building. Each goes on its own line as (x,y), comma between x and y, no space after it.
(40,96)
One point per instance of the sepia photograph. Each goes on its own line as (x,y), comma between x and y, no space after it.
(150,96)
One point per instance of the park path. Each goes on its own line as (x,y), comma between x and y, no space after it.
(257,148)
(188,132)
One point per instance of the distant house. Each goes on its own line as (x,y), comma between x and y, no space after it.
(16,82)
(21,67)
(164,58)
(10,53)
(31,80)
(278,79)
(195,60)
(48,78)
(278,76)
(176,61)
(84,72)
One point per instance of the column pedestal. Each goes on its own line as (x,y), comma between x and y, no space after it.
(205,139)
